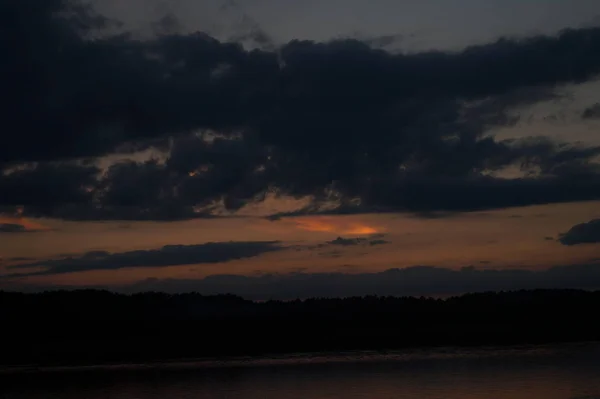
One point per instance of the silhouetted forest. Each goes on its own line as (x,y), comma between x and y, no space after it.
(82,327)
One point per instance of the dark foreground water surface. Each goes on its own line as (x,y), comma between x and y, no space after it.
(551,372)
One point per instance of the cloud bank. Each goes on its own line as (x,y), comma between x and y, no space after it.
(337,121)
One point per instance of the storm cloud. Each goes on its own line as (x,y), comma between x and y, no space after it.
(399,132)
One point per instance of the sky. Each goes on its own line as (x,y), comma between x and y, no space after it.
(287,149)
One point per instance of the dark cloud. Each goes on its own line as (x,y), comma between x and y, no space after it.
(397,131)
(378,242)
(479,193)
(420,280)
(170,255)
(584,233)
(48,185)
(12,228)
(592,112)
(199,172)
(429,196)
(347,241)
(373,240)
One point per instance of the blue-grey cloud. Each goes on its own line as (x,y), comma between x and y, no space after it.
(170,255)
(583,233)
(592,112)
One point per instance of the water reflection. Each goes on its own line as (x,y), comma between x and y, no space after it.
(552,373)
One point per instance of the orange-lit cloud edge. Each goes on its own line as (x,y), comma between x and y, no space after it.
(327,224)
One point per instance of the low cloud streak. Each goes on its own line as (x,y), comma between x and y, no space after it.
(420,280)
(170,255)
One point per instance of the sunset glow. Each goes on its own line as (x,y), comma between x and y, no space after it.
(293,150)
(407,191)
(335,225)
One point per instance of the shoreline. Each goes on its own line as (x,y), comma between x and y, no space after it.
(299,359)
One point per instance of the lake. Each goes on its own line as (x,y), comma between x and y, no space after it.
(548,372)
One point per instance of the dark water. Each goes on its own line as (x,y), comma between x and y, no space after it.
(557,372)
